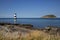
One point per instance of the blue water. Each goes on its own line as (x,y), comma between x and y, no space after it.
(36,22)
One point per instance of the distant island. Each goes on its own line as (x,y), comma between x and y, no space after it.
(49,16)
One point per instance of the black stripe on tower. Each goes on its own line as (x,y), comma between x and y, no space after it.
(14,16)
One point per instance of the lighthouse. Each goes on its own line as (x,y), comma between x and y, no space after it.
(15,18)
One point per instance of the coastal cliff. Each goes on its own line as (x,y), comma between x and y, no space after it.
(49,16)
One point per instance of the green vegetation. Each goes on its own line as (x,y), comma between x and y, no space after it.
(49,16)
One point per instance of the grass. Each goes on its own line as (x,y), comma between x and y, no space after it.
(33,35)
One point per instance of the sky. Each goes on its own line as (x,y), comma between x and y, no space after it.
(29,8)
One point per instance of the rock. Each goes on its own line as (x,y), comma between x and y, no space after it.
(27,26)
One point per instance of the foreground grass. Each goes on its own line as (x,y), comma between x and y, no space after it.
(34,35)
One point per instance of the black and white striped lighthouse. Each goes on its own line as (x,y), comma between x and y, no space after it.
(15,18)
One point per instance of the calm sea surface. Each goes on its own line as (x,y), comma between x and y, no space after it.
(36,22)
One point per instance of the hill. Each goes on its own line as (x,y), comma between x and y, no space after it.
(49,16)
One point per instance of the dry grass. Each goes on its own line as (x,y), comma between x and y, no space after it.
(33,35)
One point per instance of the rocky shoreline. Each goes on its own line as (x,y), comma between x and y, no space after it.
(8,29)
(20,25)
(28,26)
(16,30)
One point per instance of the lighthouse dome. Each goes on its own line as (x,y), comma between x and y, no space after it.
(15,14)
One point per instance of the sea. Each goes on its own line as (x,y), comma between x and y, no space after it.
(36,22)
